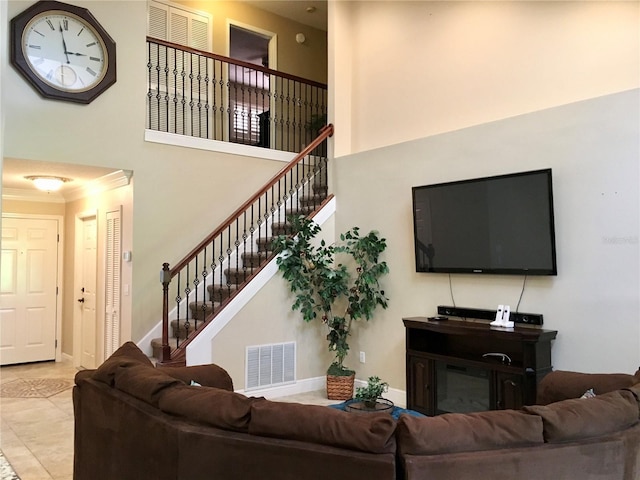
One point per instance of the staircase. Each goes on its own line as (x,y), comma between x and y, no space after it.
(208,278)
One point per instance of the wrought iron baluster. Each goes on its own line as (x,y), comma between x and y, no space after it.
(199,78)
(178,301)
(183,102)
(206,99)
(149,89)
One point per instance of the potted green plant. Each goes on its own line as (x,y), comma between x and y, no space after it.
(338,293)
(315,123)
(370,393)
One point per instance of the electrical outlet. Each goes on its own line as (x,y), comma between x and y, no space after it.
(362,357)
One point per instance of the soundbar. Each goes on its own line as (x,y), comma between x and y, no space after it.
(516,317)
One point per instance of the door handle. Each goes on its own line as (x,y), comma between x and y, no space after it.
(81,300)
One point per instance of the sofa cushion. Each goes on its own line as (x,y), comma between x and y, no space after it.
(635,390)
(128,354)
(144,382)
(579,418)
(562,385)
(318,424)
(206,375)
(83,375)
(212,406)
(459,432)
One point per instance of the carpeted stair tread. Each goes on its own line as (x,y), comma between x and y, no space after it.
(179,328)
(255,259)
(200,310)
(320,189)
(281,228)
(311,200)
(156,345)
(264,244)
(218,293)
(238,275)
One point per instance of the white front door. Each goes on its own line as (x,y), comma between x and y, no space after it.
(28,290)
(87,294)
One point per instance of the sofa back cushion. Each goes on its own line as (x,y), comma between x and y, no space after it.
(579,418)
(127,355)
(370,432)
(212,406)
(144,382)
(206,375)
(562,385)
(459,432)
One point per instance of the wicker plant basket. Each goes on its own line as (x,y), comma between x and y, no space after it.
(340,387)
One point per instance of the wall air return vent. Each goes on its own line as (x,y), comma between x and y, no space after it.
(270,365)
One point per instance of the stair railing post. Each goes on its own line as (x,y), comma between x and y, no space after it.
(165,279)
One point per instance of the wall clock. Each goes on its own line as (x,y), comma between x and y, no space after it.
(63,51)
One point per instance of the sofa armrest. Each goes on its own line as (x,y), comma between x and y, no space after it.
(563,385)
(206,375)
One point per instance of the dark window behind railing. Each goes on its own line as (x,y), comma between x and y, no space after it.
(199,286)
(200,94)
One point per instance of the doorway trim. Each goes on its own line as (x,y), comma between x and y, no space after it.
(59,269)
(273,40)
(77,281)
(273,65)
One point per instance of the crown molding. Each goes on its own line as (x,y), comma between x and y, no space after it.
(120,178)
(24,195)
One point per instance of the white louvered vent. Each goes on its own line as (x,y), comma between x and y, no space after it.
(178,24)
(270,365)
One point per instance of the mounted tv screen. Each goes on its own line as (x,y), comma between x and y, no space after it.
(498,225)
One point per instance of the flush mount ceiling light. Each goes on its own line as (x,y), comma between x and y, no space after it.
(47,183)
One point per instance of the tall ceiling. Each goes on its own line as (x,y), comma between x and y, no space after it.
(308,12)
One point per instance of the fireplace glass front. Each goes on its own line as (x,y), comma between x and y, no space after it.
(461,389)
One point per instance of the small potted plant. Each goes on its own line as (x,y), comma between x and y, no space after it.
(370,393)
(337,293)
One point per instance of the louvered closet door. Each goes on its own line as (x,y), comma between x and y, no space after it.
(183,83)
(113,282)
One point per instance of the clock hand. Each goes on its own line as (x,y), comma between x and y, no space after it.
(76,54)
(64,44)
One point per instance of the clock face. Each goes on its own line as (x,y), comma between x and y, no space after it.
(64,51)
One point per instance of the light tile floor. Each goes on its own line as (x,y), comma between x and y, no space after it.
(36,434)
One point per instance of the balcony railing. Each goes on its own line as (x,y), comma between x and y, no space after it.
(198,287)
(200,94)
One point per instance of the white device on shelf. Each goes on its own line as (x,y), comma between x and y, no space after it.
(505,317)
(502,317)
(498,321)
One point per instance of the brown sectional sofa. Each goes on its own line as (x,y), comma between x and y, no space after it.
(135,421)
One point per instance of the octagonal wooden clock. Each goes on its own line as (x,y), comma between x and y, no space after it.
(63,51)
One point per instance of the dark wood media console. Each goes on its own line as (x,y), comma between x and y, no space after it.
(448,369)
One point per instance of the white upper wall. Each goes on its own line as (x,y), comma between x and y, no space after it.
(428,92)
(404,70)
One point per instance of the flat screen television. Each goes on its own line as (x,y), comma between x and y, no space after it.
(497,225)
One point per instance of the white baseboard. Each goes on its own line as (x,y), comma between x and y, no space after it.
(398,397)
(301,386)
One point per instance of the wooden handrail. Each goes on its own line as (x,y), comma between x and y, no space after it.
(167,274)
(239,63)
(325,132)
